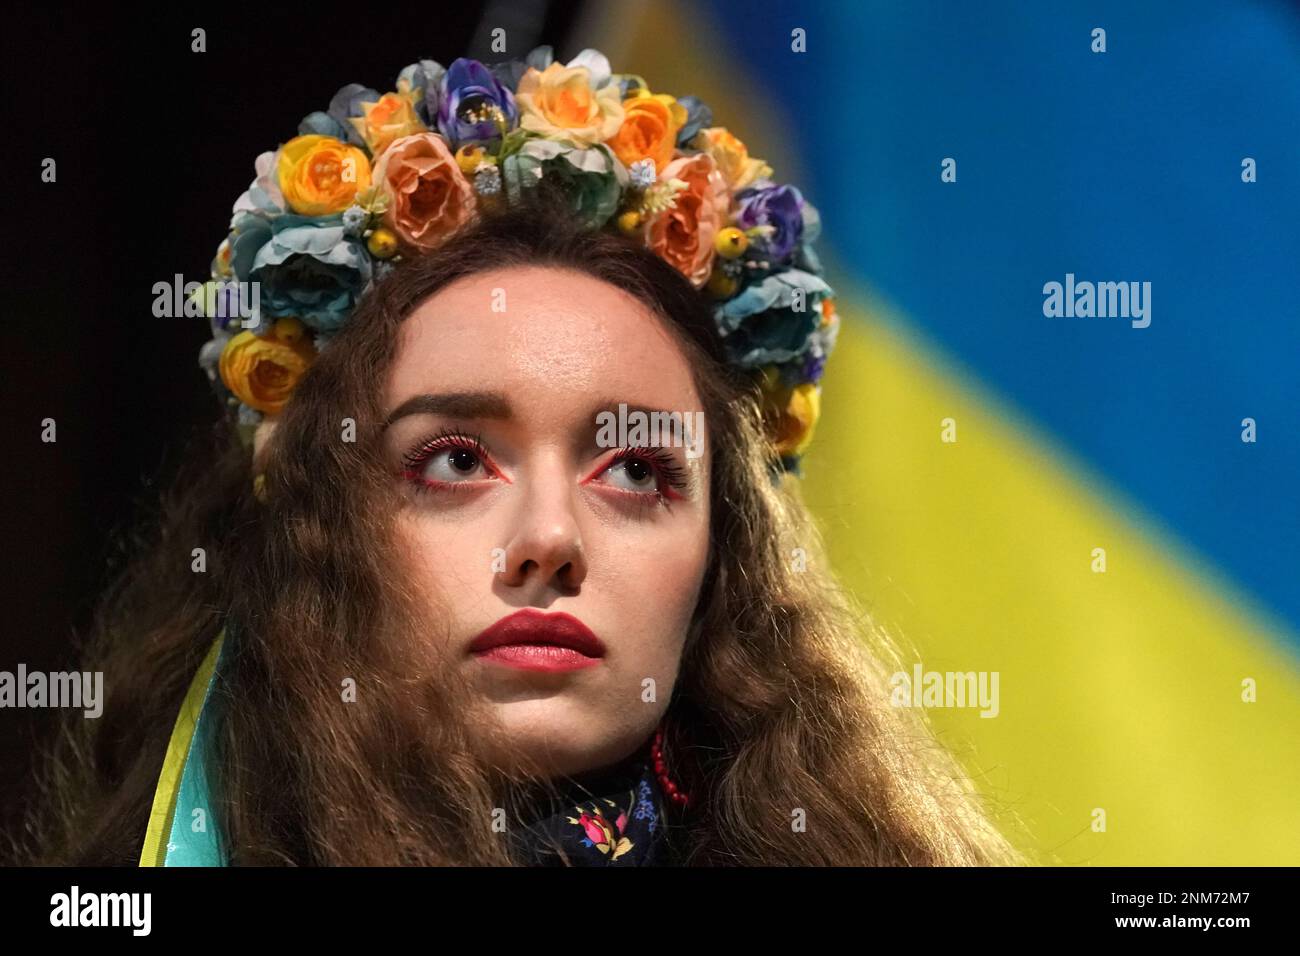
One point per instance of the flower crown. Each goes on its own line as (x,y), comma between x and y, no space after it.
(376,177)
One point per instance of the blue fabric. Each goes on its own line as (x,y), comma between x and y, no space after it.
(1123,165)
(195,837)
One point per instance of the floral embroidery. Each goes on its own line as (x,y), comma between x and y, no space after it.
(622,829)
(645,807)
(602,834)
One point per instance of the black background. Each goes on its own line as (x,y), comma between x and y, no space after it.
(153,144)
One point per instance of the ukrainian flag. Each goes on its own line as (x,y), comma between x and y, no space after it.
(1103,532)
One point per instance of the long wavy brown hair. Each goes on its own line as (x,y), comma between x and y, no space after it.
(780,724)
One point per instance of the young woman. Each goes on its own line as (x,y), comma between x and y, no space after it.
(453,607)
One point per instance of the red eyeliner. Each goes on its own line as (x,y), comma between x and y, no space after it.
(666,474)
(644,454)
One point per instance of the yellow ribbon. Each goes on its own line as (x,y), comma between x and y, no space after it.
(154,852)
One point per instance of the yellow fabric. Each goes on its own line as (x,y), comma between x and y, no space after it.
(1121,692)
(154,852)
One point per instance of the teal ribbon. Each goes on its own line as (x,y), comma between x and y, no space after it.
(188,842)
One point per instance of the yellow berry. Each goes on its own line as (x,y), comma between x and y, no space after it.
(722,285)
(730,242)
(288,329)
(629,222)
(468,157)
(382,243)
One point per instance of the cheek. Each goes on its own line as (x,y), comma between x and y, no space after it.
(652,582)
(449,569)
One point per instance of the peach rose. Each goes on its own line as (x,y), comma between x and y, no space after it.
(649,130)
(559,103)
(683,236)
(428,196)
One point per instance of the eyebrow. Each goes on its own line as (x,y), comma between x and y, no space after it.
(491,405)
(458,404)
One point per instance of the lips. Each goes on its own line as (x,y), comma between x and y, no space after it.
(531,627)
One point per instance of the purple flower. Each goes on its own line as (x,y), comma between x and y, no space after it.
(474,105)
(780,207)
(813,367)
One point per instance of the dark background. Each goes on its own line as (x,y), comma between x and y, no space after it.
(153,144)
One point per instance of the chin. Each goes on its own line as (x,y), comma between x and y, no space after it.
(562,739)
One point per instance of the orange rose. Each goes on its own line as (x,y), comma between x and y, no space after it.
(683,236)
(429,197)
(262,372)
(649,130)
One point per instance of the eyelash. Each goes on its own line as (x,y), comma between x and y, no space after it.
(443,440)
(666,469)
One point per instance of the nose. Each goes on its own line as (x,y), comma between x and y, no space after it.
(546,546)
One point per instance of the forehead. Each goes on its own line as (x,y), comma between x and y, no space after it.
(549,333)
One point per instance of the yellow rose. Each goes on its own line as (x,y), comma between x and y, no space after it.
(559,103)
(320,175)
(792,416)
(732,157)
(262,372)
(649,130)
(391,118)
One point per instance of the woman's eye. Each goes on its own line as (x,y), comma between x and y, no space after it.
(450,460)
(453,465)
(633,474)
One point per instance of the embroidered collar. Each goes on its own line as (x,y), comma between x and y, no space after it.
(614,818)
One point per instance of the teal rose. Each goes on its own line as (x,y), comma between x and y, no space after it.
(773,320)
(310,268)
(592,178)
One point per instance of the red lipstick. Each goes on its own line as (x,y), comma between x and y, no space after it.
(534,640)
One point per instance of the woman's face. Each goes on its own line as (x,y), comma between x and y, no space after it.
(518,494)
